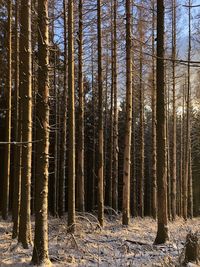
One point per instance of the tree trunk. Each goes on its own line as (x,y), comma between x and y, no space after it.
(128,126)
(62,179)
(190,186)
(115,119)
(81,183)
(141,130)
(40,250)
(187,144)
(17,151)
(71,174)
(162,231)
(26,101)
(6,185)
(100,124)
(174,181)
(154,182)
(93,134)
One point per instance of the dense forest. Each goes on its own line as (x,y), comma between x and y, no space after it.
(99,132)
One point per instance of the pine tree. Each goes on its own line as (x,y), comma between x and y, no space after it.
(100,121)
(162,231)
(80,178)
(71,166)
(127,160)
(6,185)
(26,100)
(40,250)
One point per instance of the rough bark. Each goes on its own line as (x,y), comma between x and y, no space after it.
(174,180)
(115,119)
(187,143)
(62,179)
(26,92)
(6,181)
(17,149)
(141,130)
(127,160)
(71,173)
(154,182)
(40,250)
(162,231)
(80,178)
(100,121)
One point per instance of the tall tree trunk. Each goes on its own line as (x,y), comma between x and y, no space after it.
(162,231)
(56,144)
(40,250)
(183,146)
(154,182)
(167,89)
(64,123)
(6,185)
(127,160)
(26,92)
(190,180)
(187,145)
(174,180)
(110,189)
(115,119)
(81,183)
(141,130)
(93,133)
(71,179)
(17,151)
(133,193)
(100,123)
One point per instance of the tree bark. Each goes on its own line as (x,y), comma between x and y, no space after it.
(100,122)
(17,151)
(62,179)
(141,129)
(127,160)
(154,182)
(26,92)
(80,178)
(162,231)
(115,119)
(40,250)
(174,180)
(71,175)
(6,184)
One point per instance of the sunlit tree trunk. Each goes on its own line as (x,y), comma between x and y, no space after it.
(127,160)
(17,152)
(40,250)
(26,101)
(162,230)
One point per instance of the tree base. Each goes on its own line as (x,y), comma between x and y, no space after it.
(162,234)
(42,263)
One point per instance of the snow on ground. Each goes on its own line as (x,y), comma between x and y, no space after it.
(114,245)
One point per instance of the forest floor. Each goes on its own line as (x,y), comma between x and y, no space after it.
(114,245)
